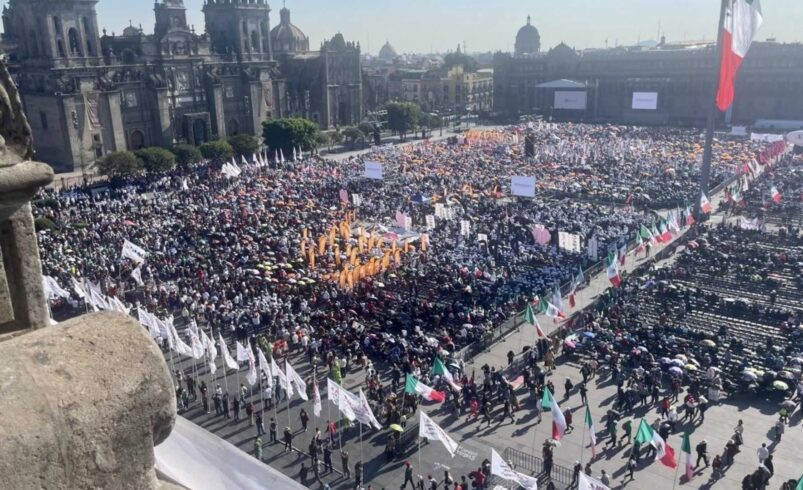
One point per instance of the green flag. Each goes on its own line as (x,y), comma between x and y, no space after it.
(644,433)
(799,484)
(529,315)
(645,232)
(438,367)
(546,400)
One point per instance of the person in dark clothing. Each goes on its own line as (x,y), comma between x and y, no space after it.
(357,474)
(327,459)
(702,453)
(272,429)
(408,476)
(226,412)
(344,461)
(288,439)
(260,425)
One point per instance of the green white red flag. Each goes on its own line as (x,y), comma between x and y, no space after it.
(441,370)
(529,317)
(775,195)
(742,20)
(685,449)
(413,386)
(663,451)
(592,432)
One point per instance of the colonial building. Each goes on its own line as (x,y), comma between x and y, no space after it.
(667,84)
(88,92)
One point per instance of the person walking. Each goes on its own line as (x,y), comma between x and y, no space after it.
(508,412)
(272,429)
(260,425)
(408,476)
(304,419)
(779,429)
(702,453)
(568,386)
(327,458)
(762,453)
(631,467)
(357,474)
(288,439)
(258,448)
(344,461)
(583,393)
(627,431)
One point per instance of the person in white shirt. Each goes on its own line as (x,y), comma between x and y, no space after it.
(762,452)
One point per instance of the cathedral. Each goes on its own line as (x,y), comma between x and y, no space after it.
(89,92)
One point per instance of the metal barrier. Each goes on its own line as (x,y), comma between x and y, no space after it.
(523,462)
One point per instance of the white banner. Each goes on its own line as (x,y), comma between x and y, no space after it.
(134,252)
(430,219)
(523,186)
(568,241)
(465,227)
(373,170)
(765,137)
(593,251)
(341,398)
(439,211)
(429,430)
(645,101)
(501,469)
(356,199)
(570,100)
(482,237)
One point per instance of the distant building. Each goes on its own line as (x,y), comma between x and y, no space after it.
(665,84)
(87,93)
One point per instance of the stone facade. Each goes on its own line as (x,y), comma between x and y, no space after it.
(769,84)
(88,92)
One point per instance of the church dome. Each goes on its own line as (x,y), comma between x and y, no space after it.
(287,38)
(528,41)
(338,42)
(387,52)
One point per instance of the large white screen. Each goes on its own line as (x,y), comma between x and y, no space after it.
(647,101)
(570,100)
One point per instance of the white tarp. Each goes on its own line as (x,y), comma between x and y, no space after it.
(568,241)
(373,170)
(575,100)
(645,101)
(522,185)
(198,459)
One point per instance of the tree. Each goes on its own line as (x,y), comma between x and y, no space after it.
(352,135)
(217,151)
(289,133)
(322,139)
(156,159)
(187,155)
(244,144)
(403,117)
(120,164)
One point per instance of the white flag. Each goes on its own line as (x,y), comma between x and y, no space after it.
(227,359)
(294,378)
(265,367)
(134,252)
(181,346)
(585,482)
(501,469)
(340,398)
(251,377)
(145,320)
(136,275)
(364,413)
(428,429)
(209,346)
(242,353)
(316,396)
(78,288)
(118,305)
(52,289)
(282,378)
(211,361)
(197,347)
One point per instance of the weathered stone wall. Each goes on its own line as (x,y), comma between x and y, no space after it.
(83,405)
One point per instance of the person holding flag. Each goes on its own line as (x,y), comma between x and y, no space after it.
(663,451)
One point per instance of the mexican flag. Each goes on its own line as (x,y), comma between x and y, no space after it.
(742,20)
(799,484)
(558,420)
(685,449)
(441,370)
(666,235)
(705,204)
(412,385)
(775,195)
(553,311)
(592,432)
(546,400)
(639,244)
(613,274)
(529,317)
(689,217)
(646,234)
(656,235)
(664,452)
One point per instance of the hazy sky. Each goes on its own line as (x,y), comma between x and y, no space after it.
(488,25)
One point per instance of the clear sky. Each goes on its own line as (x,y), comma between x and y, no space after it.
(487,25)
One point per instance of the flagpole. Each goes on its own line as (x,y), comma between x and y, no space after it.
(362,463)
(677,466)
(419,454)
(705,172)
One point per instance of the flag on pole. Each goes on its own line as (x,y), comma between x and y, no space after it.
(705,204)
(685,449)
(585,482)
(441,370)
(546,399)
(242,353)
(503,470)
(412,385)
(592,432)
(197,348)
(639,244)
(666,235)
(264,366)
(134,252)
(283,381)
(228,360)
(429,430)
(294,379)
(364,413)
(553,311)
(646,234)
(251,376)
(558,420)
(136,275)
(613,274)
(742,20)
(799,484)
(316,397)
(775,195)
(529,317)
(663,451)
(52,289)
(341,398)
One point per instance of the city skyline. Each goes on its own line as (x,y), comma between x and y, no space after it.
(487,27)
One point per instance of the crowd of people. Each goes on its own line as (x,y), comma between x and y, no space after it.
(314,257)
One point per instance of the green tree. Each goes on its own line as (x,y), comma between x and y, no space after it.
(352,135)
(217,151)
(156,159)
(244,144)
(187,155)
(322,139)
(120,164)
(289,133)
(403,117)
